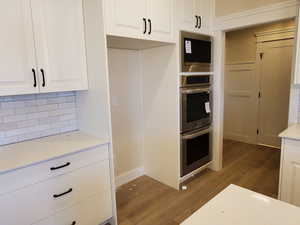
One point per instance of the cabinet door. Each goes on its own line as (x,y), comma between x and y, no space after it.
(204,10)
(17,57)
(161,16)
(60,44)
(290,180)
(125,18)
(186,9)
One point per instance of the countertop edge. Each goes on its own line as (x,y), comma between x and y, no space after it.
(58,154)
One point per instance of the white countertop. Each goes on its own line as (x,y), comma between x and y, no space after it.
(26,153)
(239,206)
(292,132)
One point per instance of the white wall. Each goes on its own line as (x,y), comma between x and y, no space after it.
(161,114)
(126,109)
(225,7)
(246,39)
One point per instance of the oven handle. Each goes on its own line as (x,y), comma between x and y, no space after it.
(195,90)
(194,135)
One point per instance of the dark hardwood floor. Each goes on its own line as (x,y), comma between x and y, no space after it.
(145,201)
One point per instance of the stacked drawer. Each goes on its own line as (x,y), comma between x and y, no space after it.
(69,190)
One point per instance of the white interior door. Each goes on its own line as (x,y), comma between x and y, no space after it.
(275,70)
(17,57)
(161,14)
(241,102)
(60,43)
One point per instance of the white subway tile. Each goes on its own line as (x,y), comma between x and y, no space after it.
(7,112)
(41,101)
(59,112)
(56,100)
(67,105)
(17,132)
(69,93)
(49,120)
(60,124)
(27,123)
(44,108)
(8,126)
(25,110)
(12,105)
(37,115)
(27,117)
(23,97)
(67,117)
(14,118)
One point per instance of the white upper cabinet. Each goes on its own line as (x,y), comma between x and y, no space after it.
(126,18)
(142,19)
(17,58)
(60,44)
(43,46)
(195,15)
(160,20)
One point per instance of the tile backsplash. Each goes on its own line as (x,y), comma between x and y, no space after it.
(33,116)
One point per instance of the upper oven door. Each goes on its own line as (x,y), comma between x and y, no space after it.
(196,54)
(195,108)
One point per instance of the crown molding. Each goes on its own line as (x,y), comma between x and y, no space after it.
(270,13)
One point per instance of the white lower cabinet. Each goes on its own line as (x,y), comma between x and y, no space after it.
(87,212)
(71,191)
(290,172)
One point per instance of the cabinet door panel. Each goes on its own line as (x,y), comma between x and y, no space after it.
(290,181)
(59,32)
(204,9)
(125,18)
(187,11)
(161,13)
(17,48)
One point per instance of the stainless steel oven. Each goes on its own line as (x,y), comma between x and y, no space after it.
(195,108)
(196,52)
(195,150)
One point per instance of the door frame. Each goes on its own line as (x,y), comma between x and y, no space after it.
(262,15)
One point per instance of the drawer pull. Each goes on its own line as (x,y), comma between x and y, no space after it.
(74,222)
(60,167)
(62,194)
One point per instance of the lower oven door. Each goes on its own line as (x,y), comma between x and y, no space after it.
(195,150)
(195,108)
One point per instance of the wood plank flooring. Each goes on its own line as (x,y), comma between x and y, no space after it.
(145,201)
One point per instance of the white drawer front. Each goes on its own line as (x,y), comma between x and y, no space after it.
(91,211)
(37,201)
(22,177)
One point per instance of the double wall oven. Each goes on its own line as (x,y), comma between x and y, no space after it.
(196,102)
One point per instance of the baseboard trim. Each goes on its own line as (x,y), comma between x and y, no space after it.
(129,176)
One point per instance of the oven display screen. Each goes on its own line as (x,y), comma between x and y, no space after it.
(196,106)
